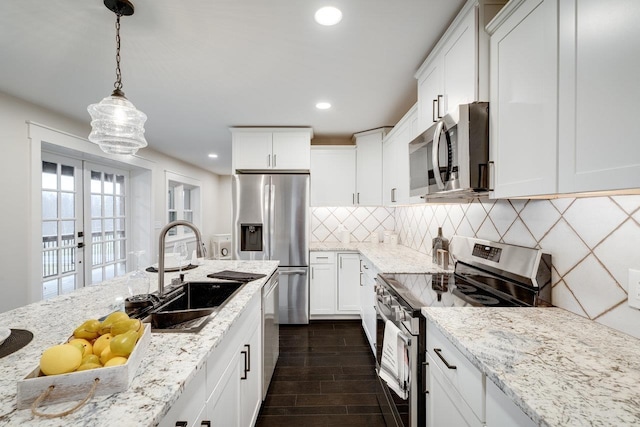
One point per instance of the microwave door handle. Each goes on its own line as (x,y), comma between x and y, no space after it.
(436,155)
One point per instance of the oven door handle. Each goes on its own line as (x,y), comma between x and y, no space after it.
(402,335)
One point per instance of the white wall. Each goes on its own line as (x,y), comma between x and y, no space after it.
(15,174)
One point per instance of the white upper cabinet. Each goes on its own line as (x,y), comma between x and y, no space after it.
(369,167)
(599,92)
(563,97)
(455,72)
(523,107)
(395,159)
(333,175)
(271,148)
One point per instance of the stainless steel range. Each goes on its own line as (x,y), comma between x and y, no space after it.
(486,274)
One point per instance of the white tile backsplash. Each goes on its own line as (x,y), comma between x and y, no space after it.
(593,242)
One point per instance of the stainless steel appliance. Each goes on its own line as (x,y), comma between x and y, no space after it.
(271,331)
(486,274)
(451,158)
(271,222)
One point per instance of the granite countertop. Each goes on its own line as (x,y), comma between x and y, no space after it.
(559,368)
(170,362)
(387,258)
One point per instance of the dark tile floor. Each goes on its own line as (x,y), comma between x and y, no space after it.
(325,376)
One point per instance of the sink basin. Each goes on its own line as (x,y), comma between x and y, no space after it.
(189,307)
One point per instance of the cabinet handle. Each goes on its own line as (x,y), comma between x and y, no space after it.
(182,423)
(248,357)
(244,373)
(311,273)
(492,175)
(358,198)
(340,263)
(393,195)
(439,354)
(353,198)
(433,111)
(205,424)
(440,98)
(425,390)
(269,160)
(275,158)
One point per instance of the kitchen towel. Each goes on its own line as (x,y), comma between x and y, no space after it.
(394,364)
(236,275)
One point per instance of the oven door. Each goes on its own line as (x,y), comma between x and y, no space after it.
(398,412)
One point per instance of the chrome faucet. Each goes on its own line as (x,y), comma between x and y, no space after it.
(200,249)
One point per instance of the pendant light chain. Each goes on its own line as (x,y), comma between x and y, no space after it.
(118,83)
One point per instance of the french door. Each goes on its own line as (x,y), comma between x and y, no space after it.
(83,224)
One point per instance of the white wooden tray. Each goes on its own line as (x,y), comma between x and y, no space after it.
(76,385)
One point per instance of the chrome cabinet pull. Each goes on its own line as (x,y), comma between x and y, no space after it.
(353,198)
(358,198)
(492,175)
(438,352)
(274,160)
(433,111)
(248,357)
(311,273)
(268,160)
(440,98)
(393,195)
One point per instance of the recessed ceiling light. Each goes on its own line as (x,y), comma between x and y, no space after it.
(328,15)
(213,156)
(323,105)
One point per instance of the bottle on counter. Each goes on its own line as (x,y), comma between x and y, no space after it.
(438,243)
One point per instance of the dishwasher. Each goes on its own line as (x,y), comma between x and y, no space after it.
(270,330)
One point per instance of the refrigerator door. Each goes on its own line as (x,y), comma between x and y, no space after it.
(250,216)
(294,295)
(289,219)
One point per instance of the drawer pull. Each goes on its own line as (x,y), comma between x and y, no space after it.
(439,354)
(182,423)
(205,423)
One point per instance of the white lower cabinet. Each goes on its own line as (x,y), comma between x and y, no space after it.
(228,390)
(334,287)
(456,388)
(502,412)
(368,274)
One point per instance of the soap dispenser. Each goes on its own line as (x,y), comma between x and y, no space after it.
(439,243)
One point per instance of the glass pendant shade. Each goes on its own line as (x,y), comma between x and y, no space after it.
(117,126)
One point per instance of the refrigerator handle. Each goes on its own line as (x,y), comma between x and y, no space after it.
(272,218)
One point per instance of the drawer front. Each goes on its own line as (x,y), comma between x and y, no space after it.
(463,376)
(322,257)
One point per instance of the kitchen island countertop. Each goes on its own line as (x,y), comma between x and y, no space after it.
(170,362)
(559,368)
(386,257)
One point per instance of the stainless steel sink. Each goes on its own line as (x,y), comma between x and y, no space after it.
(190,306)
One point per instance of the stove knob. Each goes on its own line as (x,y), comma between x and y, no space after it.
(386,299)
(399,314)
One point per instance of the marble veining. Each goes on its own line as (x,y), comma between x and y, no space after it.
(387,258)
(171,361)
(559,368)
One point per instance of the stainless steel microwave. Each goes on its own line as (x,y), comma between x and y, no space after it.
(451,158)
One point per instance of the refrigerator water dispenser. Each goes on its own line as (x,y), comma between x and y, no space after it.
(251,237)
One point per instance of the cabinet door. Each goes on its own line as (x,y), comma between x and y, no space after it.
(599,93)
(223,406)
(459,65)
(445,406)
(349,283)
(389,172)
(291,150)
(523,115)
(251,381)
(333,176)
(189,405)
(369,170)
(252,150)
(322,289)
(429,87)
(502,412)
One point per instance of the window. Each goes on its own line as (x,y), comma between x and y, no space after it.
(183,203)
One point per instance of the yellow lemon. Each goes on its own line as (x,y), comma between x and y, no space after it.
(115,361)
(101,343)
(60,359)
(87,348)
(106,355)
(90,358)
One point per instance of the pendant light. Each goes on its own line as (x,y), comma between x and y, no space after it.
(117,126)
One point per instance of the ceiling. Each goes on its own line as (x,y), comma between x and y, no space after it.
(198,67)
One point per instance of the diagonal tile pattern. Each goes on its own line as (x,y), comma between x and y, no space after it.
(594,241)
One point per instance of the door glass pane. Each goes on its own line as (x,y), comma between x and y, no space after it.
(96,275)
(120,185)
(67,205)
(50,288)
(67,180)
(68,259)
(49,263)
(108,206)
(96,182)
(49,175)
(49,205)
(68,233)
(109,272)
(108,183)
(109,251)
(96,230)
(96,255)
(187,199)
(96,206)
(119,208)
(68,284)
(49,234)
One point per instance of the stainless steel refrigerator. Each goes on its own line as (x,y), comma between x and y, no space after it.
(271,222)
